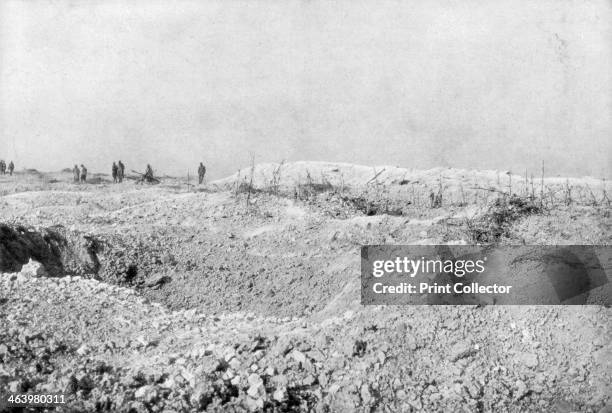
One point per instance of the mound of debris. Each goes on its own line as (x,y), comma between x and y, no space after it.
(109,350)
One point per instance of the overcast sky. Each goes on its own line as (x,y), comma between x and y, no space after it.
(474,84)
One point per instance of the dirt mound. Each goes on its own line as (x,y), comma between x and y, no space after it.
(32,171)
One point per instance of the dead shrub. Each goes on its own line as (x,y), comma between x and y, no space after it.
(497,221)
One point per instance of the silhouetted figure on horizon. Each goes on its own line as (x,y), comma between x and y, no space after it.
(148,173)
(83,174)
(201,173)
(121,170)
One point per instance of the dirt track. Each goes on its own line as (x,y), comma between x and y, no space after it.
(200,302)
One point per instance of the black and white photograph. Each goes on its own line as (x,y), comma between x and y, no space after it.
(305,206)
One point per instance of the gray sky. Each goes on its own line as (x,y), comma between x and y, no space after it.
(475,84)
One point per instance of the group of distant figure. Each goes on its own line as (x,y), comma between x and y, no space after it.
(148,176)
(117,172)
(80,175)
(4,169)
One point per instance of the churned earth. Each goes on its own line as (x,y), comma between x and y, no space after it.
(178,298)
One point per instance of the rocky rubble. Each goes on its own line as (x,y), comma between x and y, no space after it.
(111,350)
(159,300)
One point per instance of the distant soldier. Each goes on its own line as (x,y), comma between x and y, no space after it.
(76,173)
(11,168)
(115,171)
(201,173)
(83,173)
(148,173)
(2,167)
(121,171)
